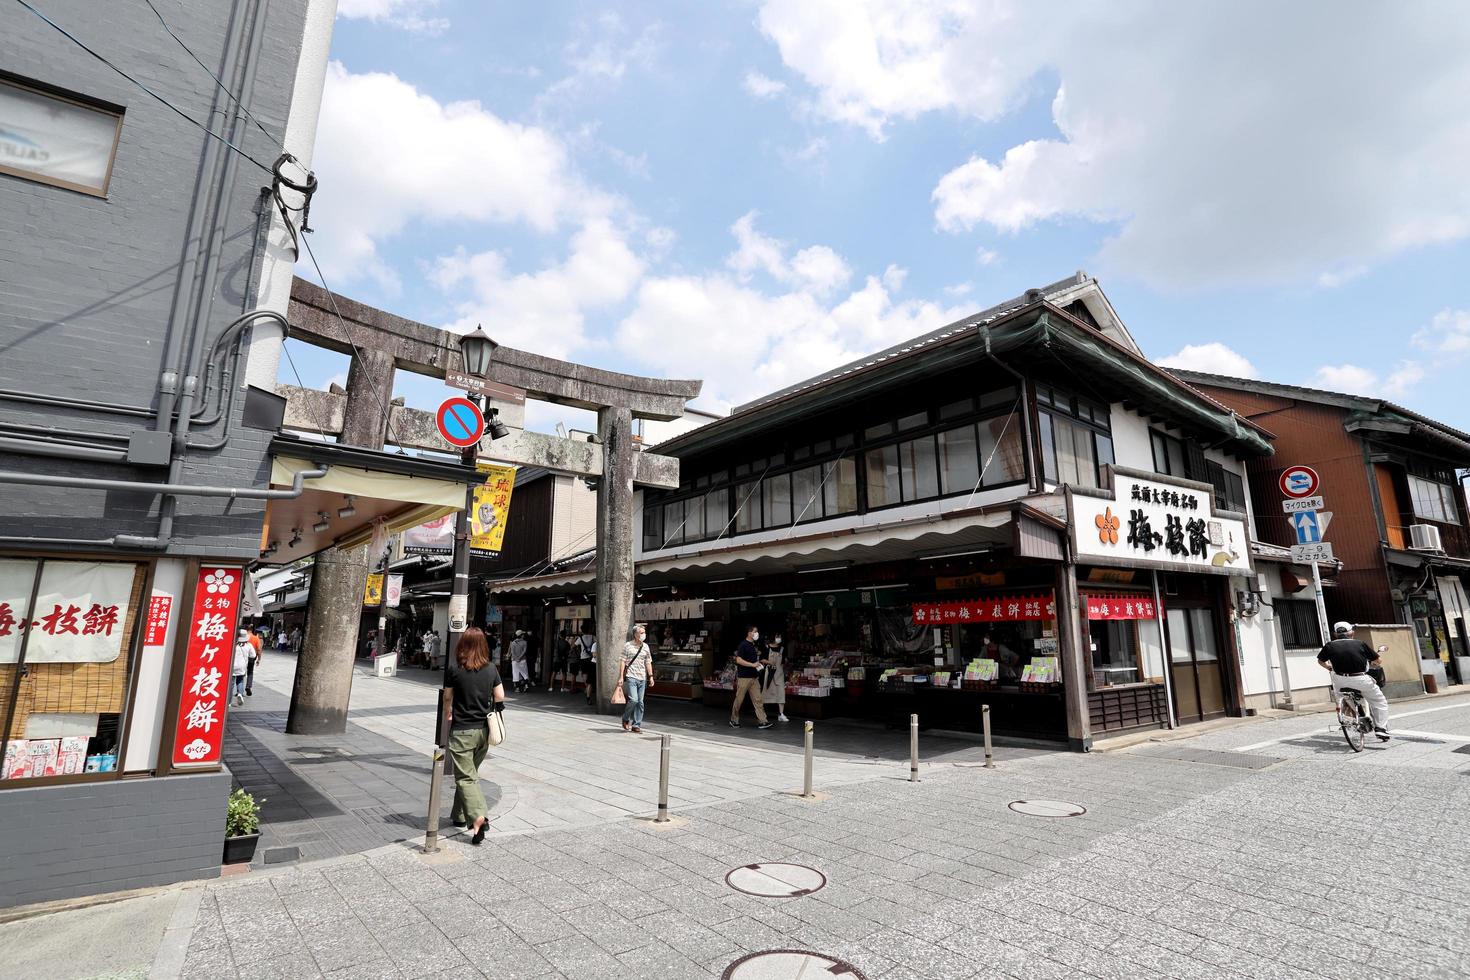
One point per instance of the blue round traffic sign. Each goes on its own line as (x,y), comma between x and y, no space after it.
(460,422)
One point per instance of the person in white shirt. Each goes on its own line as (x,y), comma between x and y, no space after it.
(239,665)
(519,674)
(637,677)
(587,661)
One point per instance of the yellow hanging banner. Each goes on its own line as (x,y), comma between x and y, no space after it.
(492,509)
(373,594)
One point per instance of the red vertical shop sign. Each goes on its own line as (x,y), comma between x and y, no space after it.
(159,607)
(201,723)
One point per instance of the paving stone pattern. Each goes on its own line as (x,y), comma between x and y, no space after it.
(1312,868)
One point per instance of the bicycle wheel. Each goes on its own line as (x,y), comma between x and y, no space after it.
(1348,715)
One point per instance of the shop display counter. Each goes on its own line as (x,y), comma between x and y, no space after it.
(1021,713)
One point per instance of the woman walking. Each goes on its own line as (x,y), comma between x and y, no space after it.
(637,677)
(478,692)
(240,666)
(776,677)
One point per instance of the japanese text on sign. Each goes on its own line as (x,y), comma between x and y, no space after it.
(997,609)
(1120,607)
(492,509)
(201,718)
(1151,522)
(156,628)
(79,612)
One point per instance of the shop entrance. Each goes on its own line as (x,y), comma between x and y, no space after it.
(1194,659)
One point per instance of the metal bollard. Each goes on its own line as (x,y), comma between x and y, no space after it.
(806,781)
(913,748)
(663,780)
(436,771)
(985,721)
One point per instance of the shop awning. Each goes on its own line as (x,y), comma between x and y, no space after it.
(911,539)
(402,491)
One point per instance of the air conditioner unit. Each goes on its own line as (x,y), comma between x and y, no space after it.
(1424,537)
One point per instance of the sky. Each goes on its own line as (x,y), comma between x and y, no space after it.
(749,193)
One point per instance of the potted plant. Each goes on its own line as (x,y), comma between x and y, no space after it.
(242,828)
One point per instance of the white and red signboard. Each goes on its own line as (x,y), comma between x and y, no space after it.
(997,609)
(78,616)
(156,628)
(1122,606)
(1299,481)
(460,422)
(200,729)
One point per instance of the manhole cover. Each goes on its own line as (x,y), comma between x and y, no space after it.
(790,964)
(776,880)
(1048,808)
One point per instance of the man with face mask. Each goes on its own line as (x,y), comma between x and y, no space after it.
(748,664)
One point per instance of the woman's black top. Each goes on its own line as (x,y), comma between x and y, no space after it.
(474,694)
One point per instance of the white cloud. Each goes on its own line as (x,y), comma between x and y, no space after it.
(1218,152)
(388,155)
(986,256)
(762,87)
(544,311)
(1212,358)
(1346,378)
(959,289)
(406,14)
(1447,333)
(600,56)
(745,342)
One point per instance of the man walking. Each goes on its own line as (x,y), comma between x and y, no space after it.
(1348,659)
(518,661)
(748,666)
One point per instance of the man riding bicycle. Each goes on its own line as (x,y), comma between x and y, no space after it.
(1348,660)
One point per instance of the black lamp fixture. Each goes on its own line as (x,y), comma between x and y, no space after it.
(498,429)
(476,349)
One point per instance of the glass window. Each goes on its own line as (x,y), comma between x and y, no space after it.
(1298,619)
(840,491)
(742,470)
(920,469)
(694,519)
(748,504)
(1179,647)
(1104,446)
(800,453)
(956,409)
(653,527)
(806,497)
(778,501)
(1433,501)
(56,140)
(1048,448)
(959,460)
(1000,396)
(882,476)
(674,523)
(717,513)
(1076,459)
(878,431)
(916,421)
(823,447)
(1169,455)
(1202,631)
(1002,448)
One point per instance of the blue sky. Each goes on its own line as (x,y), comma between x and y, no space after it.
(750,193)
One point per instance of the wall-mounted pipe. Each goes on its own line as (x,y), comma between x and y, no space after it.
(59,401)
(42,447)
(179,489)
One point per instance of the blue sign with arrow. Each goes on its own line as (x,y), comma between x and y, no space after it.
(1309,525)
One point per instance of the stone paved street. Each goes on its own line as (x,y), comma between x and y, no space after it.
(1321,864)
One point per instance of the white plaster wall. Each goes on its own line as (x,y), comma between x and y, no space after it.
(574,517)
(1264,660)
(1130,439)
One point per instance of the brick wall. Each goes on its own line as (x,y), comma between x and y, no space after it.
(86,839)
(87,284)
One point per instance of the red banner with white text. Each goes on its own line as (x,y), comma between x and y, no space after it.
(992,609)
(200,730)
(1119,606)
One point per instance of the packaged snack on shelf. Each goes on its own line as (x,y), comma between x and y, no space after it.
(44,754)
(73,755)
(17,760)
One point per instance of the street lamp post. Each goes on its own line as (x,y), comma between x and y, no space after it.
(476,350)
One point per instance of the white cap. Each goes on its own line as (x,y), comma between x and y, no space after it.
(1342,627)
(520,632)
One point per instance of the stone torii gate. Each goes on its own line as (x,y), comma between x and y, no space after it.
(379,343)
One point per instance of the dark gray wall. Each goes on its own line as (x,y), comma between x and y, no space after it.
(85,839)
(87,284)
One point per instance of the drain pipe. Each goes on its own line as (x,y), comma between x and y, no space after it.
(161,539)
(40,446)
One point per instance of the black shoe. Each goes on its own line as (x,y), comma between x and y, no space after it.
(734,724)
(460,823)
(479,837)
(766,724)
(1382,734)
(249,693)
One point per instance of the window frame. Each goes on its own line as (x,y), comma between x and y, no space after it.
(83,102)
(1298,613)
(1056,408)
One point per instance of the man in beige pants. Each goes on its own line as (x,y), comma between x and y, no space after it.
(748,663)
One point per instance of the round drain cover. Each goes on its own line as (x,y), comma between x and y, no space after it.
(1048,808)
(775,880)
(790,964)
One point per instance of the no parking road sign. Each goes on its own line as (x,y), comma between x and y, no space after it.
(460,422)
(1299,481)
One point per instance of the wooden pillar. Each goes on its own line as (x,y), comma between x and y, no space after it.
(1074,649)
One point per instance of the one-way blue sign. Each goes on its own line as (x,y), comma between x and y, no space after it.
(1308,527)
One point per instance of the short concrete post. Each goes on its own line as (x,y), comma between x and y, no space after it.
(806,779)
(985,723)
(663,780)
(913,748)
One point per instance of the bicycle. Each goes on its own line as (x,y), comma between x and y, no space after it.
(1353,716)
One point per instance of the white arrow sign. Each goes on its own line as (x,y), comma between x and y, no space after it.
(1306,527)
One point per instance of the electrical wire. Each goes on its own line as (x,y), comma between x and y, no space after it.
(286,348)
(160,99)
(217,81)
(347,332)
(999,441)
